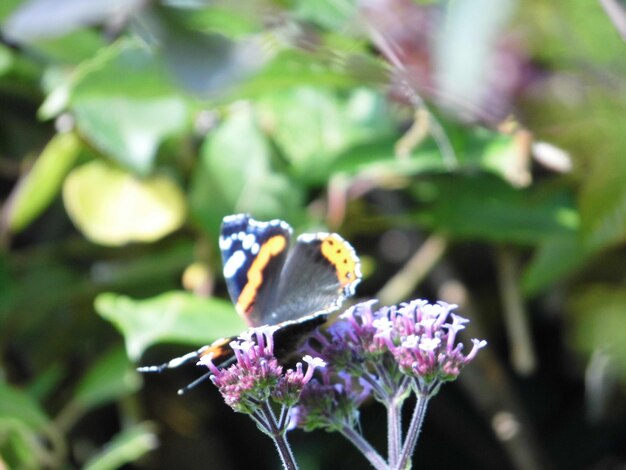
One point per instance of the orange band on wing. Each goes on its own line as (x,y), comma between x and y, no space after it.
(219,350)
(272,247)
(341,255)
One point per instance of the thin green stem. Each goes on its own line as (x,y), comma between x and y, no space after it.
(522,351)
(364,447)
(413,433)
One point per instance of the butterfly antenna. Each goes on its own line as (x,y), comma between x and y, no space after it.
(196,382)
(205,376)
(176,362)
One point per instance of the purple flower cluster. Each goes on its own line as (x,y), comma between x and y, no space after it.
(330,403)
(385,347)
(257,376)
(386,353)
(422,338)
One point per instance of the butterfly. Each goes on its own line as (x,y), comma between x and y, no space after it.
(294,289)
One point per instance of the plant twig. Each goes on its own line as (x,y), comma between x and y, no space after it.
(364,447)
(515,315)
(401,285)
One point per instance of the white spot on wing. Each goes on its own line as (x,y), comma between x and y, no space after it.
(272,223)
(234,263)
(226,243)
(234,218)
(311,237)
(248,241)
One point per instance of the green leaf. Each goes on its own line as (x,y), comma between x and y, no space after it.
(6,59)
(600,312)
(110,378)
(237,175)
(603,199)
(130,130)
(485,207)
(46,382)
(7,7)
(42,184)
(113,207)
(377,160)
(125,103)
(126,68)
(312,126)
(27,439)
(72,48)
(295,68)
(231,22)
(553,261)
(127,446)
(590,35)
(177,317)
(476,149)
(326,13)
(15,404)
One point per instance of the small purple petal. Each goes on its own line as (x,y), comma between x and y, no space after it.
(478,344)
(207,360)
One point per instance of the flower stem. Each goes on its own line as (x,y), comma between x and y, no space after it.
(278,436)
(286,456)
(394,430)
(284,417)
(413,432)
(365,447)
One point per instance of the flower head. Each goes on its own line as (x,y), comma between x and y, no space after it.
(424,343)
(415,341)
(257,375)
(329,405)
(291,384)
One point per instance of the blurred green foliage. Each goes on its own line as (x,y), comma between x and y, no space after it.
(128,129)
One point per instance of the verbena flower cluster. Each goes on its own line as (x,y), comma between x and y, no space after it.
(386,354)
(257,376)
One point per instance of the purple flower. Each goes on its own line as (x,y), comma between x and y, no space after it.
(416,341)
(424,342)
(291,384)
(257,376)
(330,405)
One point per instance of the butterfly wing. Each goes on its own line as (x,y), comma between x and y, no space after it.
(297,294)
(253,255)
(321,271)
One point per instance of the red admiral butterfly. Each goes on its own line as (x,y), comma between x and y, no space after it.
(294,290)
